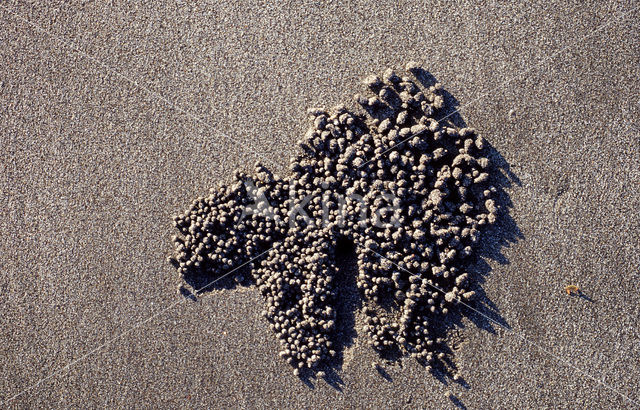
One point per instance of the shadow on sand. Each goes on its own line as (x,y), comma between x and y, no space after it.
(482,312)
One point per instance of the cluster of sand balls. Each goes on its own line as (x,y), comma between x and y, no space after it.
(410,192)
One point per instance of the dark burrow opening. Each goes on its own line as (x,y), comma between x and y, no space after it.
(348,300)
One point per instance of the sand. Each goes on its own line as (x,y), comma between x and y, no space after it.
(115,117)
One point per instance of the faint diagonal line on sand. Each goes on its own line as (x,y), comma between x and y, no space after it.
(529,342)
(201,121)
(126,332)
(135,83)
(504,84)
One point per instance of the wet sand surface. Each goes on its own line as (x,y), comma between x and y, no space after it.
(114,117)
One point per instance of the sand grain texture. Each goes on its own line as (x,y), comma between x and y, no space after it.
(115,117)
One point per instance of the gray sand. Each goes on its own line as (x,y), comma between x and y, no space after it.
(94,166)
